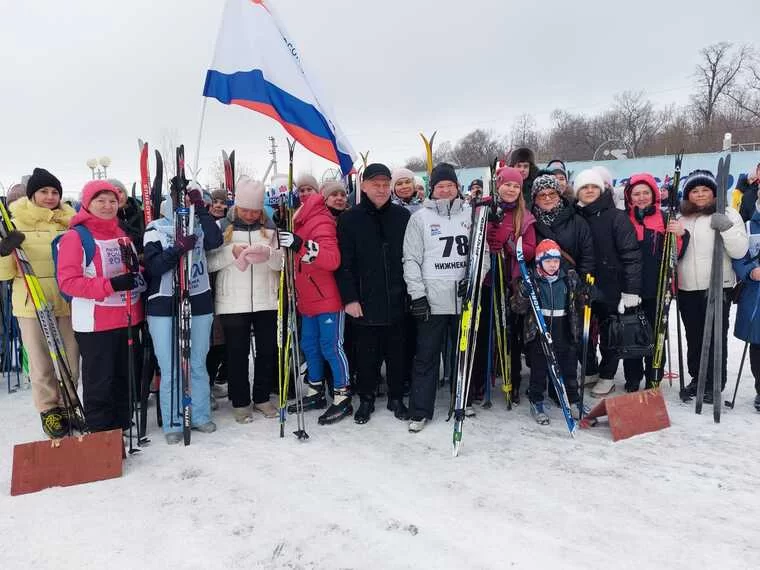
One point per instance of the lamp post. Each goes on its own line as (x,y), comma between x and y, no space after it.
(99,167)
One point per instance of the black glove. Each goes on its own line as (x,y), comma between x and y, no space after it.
(462,288)
(185,243)
(196,199)
(14,239)
(573,281)
(125,282)
(421,309)
(290,240)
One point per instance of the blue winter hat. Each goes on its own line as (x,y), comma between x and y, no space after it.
(700,178)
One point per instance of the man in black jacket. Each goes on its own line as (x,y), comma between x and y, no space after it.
(371,283)
(524,160)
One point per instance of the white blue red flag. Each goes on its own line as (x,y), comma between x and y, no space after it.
(256,65)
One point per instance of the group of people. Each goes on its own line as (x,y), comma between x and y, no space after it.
(380,279)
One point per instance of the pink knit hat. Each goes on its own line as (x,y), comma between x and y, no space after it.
(508,174)
(249,194)
(94,187)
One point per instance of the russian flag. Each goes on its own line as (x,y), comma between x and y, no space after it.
(256,65)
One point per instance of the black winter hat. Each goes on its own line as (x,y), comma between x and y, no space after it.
(443,172)
(522,154)
(376,169)
(700,178)
(41,178)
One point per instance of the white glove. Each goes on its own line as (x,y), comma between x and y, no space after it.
(312,251)
(628,301)
(289,240)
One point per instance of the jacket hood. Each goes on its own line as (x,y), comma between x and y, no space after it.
(647,179)
(312,205)
(30,213)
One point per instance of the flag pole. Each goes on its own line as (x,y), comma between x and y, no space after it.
(200,133)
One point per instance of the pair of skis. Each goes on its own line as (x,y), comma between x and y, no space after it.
(184,219)
(49,325)
(666,290)
(288,345)
(228,162)
(713,332)
(469,320)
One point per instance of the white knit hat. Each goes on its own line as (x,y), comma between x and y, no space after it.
(249,193)
(400,173)
(588,177)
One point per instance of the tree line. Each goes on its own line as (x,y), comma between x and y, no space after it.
(725,98)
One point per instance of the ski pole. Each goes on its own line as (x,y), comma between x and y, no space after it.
(738,377)
(585,341)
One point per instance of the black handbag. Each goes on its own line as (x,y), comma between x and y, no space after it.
(629,335)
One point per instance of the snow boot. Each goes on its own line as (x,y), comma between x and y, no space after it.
(173,437)
(515,396)
(708,397)
(416,425)
(629,388)
(313,399)
(398,408)
(538,413)
(366,407)
(54,423)
(208,427)
(243,415)
(757,402)
(603,387)
(339,409)
(590,379)
(267,409)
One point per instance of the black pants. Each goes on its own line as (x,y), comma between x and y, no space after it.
(375,344)
(237,334)
(410,344)
(754,363)
(480,363)
(636,369)
(431,335)
(216,362)
(693,308)
(608,365)
(567,358)
(105,379)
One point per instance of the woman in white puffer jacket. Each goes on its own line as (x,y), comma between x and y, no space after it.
(247,283)
(695,267)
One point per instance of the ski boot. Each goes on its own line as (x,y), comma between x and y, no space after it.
(54,423)
(538,413)
(313,399)
(398,408)
(339,409)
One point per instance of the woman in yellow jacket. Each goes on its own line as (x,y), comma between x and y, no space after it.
(39,218)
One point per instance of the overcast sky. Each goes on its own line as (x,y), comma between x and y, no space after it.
(85,78)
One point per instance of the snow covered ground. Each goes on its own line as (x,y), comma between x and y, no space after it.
(374,496)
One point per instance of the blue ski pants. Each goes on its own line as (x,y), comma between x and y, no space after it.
(322,339)
(163,342)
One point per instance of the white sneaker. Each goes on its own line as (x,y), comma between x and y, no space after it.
(603,387)
(416,426)
(469,412)
(242,415)
(590,379)
(268,409)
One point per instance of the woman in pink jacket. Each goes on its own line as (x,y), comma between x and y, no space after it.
(99,311)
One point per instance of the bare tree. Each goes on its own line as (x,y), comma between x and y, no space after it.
(479,148)
(524,132)
(417,164)
(637,119)
(746,95)
(715,78)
